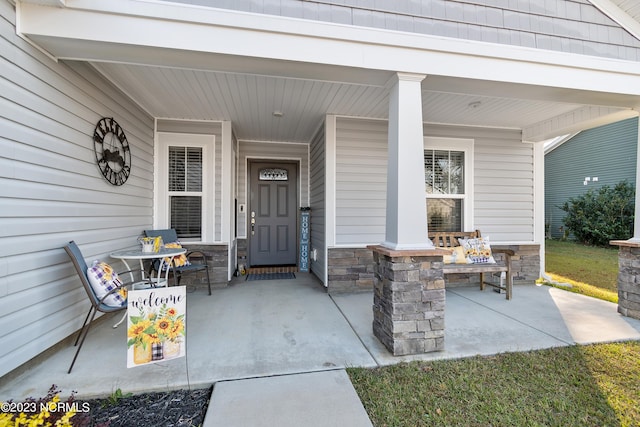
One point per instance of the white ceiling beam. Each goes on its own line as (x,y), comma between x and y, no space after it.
(620,16)
(54,3)
(583,118)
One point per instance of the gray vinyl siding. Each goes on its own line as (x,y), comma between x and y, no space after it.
(606,152)
(317,202)
(361,180)
(270,150)
(572,26)
(503,205)
(204,128)
(51,190)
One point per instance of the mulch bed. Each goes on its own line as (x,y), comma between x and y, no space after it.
(179,408)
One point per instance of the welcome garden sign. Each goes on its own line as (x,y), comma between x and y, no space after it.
(156,325)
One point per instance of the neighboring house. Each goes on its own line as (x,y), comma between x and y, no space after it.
(605,155)
(231,108)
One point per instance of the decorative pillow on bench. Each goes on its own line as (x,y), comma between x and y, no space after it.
(457,256)
(477,251)
(103,279)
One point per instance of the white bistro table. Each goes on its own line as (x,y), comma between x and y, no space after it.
(165,255)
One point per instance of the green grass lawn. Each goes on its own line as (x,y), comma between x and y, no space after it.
(595,385)
(589,270)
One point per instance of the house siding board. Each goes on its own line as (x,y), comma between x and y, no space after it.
(501,190)
(361,170)
(317,202)
(607,152)
(503,180)
(51,190)
(571,26)
(507,195)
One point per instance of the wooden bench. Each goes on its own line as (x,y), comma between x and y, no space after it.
(450,240)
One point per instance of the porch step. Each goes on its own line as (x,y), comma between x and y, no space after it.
(316,399)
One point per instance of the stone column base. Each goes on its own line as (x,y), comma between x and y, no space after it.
(628,278)
(408,300)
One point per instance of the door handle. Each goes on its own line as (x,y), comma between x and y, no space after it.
(253,223)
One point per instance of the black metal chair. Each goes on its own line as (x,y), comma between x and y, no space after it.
(97,304)
(197,259)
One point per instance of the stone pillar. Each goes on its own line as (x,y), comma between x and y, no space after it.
(628,278)
(408,300)
(629,258)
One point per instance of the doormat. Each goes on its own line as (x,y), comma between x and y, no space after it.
(273,269)
(270,276)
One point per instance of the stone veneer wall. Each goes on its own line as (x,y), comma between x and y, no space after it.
(628,279)
(218,262)
(351,269)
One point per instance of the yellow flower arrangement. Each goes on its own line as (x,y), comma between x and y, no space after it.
(163,325)
(176,329)
(138,332)
(47,412)
(155,327)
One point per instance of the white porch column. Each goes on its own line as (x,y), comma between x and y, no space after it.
(636,222)
(406,222)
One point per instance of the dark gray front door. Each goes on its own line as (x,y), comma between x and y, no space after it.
(273,213)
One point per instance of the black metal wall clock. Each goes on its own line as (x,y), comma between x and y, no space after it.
(112,151)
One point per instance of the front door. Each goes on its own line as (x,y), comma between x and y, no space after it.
(272,213)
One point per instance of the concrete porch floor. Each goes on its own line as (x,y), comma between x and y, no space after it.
(260,329)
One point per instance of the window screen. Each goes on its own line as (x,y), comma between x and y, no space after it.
(185,191)
(444,181)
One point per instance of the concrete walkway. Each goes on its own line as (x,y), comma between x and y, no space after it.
(276,350)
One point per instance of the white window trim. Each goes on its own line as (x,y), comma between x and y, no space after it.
(207,143)
(466,146)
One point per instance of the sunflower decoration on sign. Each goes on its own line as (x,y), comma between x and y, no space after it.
(156,335)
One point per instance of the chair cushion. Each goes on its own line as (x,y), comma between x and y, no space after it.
(457,256)
(191,267)
(478,250)
(178,261)
(103,279)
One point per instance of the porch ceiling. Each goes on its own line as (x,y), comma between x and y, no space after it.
(173,79)
(250,97)
(249,100)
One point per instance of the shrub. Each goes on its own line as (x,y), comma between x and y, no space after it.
(599,216)
(48,411)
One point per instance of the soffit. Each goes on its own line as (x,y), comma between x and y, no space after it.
(249,100)
(178,83)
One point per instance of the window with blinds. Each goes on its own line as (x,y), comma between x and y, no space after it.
(185,191)
(444,181)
